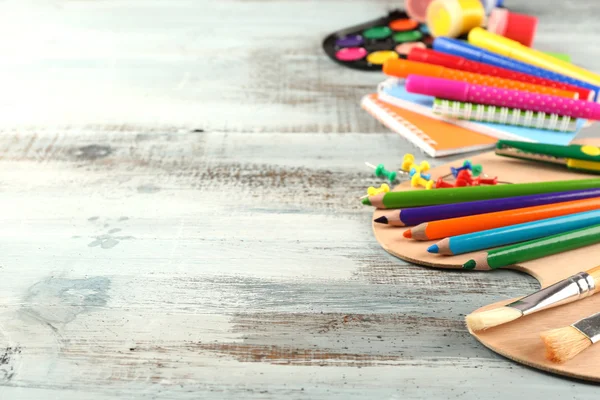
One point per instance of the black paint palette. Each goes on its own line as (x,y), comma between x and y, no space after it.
(369,45)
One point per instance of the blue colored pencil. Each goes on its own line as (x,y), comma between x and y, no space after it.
(466,50)
(513,234)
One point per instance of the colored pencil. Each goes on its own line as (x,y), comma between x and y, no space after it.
(514,234)
(417,198)
(474,223)
(533,249)
(418,215)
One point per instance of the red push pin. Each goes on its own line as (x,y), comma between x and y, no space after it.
(465,175)
(485,181)
(441,183)
(461,183)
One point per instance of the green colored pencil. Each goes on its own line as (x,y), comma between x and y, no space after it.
(418,198)
(516,253)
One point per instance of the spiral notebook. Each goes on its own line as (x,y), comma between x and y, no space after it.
(436,138)
(503,115)
(392,91)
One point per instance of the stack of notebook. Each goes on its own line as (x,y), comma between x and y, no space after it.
(414,117)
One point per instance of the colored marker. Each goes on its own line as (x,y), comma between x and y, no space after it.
(463,49)
(504,46)
(450,61)
(481,94)
(403,68)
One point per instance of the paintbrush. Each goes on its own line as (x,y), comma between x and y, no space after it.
(571,289)
(562,344)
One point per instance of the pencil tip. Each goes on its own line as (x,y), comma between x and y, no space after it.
(433,249)
(407,233)
(366,201)
(382,220)
(471,264)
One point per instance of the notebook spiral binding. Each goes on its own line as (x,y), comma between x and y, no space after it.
(503,115)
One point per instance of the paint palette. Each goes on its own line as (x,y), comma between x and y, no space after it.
(369,45)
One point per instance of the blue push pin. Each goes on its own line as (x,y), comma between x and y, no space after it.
(475,169)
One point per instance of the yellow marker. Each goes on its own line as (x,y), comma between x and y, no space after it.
(417,181)
(372,191)
(509,48)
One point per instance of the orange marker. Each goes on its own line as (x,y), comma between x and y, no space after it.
(459,226)
(403,68)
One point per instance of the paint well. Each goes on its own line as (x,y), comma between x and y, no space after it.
(405,48)
(349,41)
(377,32)
(379,57)
(351,54)
(410,36)
(404,24)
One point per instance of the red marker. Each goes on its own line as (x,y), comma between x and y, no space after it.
(461,63)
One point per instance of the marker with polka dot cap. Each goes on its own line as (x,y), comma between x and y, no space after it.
(481,94)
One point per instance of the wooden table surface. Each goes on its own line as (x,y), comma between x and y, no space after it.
(179,184)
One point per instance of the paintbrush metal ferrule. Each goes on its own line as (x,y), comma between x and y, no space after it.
(566,291)
(590,327)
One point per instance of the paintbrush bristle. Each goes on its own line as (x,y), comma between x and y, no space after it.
(562,344)
(490,318)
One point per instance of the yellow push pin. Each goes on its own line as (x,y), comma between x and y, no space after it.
(372,191)
(417,181)
(407,162)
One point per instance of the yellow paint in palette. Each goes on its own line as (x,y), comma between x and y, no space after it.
(379,57)
(453,18)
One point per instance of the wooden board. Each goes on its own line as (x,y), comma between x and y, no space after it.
(520,340)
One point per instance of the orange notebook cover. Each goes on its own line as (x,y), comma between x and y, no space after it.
(436,138)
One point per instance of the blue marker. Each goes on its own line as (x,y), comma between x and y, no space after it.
(516,233)
(468,51)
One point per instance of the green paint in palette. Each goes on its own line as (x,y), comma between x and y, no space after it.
(377,32)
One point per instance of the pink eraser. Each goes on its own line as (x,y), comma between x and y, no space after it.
(417,9)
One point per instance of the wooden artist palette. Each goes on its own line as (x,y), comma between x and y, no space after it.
(518,340)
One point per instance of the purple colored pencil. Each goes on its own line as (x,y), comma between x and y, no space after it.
(418,215)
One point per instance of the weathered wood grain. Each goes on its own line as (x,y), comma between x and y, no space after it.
(180,218)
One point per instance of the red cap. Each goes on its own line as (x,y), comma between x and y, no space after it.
(435,57)
(518,27)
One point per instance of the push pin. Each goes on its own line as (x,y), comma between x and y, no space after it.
(421,168)
(372,191)
(465,175)
(441,183)
(485,181)
(407,162)
(381,172)
(461,183)
(417,181)
(476,169)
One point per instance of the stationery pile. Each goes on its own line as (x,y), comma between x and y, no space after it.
(508,224)
(494,86)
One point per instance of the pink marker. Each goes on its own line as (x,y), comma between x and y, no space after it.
(481,94)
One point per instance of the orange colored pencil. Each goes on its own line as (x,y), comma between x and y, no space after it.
(402,68)
(459,226)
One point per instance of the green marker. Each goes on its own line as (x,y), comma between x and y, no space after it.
(418,198)
(516,253)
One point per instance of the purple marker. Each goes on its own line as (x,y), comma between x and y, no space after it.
(418,215)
